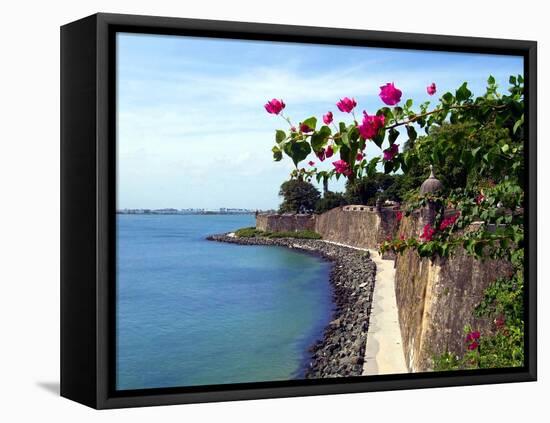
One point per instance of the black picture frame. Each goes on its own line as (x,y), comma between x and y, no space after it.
(88,208)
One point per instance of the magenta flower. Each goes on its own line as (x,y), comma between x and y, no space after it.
(311,163)
(342,167)
(390,153)
(389,94)
(500,322)
(474,345)
(359,157)
(473,336)
(431,89)
(449,221)
(293,129)
(399,215)
(328,118)
(329,152)
(480,198)
(371,125)
(321,154)
(275,106)
(427,233)
(304,128)
(346,104)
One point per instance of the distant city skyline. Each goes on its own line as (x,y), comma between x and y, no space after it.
(192,131)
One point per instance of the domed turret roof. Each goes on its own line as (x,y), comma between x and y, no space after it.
(432,184)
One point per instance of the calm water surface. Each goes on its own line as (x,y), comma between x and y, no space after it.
(197,312)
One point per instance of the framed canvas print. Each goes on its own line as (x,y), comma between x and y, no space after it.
(255,211)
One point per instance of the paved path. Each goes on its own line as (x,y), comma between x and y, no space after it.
(384,351)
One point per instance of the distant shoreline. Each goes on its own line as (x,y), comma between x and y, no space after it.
(341,351)
(183,213)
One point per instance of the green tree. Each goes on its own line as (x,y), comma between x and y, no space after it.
(367,189)
(298,196)
(330,201)
(446,147)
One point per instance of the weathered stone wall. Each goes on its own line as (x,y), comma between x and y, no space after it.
(359,226)
(437,298)
(285,222)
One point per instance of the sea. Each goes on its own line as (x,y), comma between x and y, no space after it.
(192,312)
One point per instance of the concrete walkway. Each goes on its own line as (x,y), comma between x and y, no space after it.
(384,350)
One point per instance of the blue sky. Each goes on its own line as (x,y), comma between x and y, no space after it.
(192,130)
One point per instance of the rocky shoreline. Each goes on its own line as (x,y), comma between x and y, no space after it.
(341,351)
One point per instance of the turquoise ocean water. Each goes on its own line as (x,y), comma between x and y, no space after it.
(195,312)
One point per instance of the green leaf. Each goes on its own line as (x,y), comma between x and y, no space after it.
(491,80)
(463,93)
(504,148)
(411,132)
(388,167)
(518,123)
(447,98)
(342,127)
(319,138)
(371,167)
(297,151)
(392,135)
(311,122)
(379,138)
(280,136)
(345,138)
(512,80)
(345,153)
(277,154)
(317,141)
(353,133)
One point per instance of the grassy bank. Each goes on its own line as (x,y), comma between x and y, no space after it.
(256,233)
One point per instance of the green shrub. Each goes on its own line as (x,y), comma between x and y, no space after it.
(248,232)
(252,232)
(298,235)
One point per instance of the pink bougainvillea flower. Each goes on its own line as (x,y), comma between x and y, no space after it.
(389,94)
(474,345)
(293,128)
(305,128)
(328,118)
(342,167)
(449,221)
(480,198)
(311,163)
(275,106)
(427,233)
(402,237)
(329,152)
(390,153)
(473,336)
(321,154)
(431,89)
(371,125)
(499,322)
(359,157)
(346,104)
(399,215)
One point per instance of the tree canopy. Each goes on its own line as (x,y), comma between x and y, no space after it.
(299,196)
